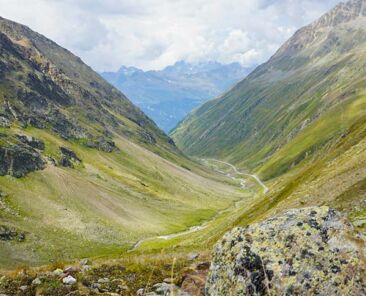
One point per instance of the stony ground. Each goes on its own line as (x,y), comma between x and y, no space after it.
(184,276)
(310,251)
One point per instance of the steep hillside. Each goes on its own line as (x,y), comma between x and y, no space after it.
(291,106)
(298,121)
(43,85)
(168,95)
(83,171)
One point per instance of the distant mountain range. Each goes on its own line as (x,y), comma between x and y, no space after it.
(168,95)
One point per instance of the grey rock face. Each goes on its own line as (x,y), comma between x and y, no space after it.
(311,251)
(102,144)
(17,160)
(4,121)
(9,234)
(68,157)
(33,142)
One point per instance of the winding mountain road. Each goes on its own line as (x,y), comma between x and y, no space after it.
(265,188)
(204,225)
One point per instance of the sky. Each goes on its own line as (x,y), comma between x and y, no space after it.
(152,34)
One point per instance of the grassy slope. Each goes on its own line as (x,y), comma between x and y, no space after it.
(298,121)
(250,124)
(109,201)
(112,200)
(105,204)
(334,175)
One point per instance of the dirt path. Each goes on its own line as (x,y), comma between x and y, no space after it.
(173,235)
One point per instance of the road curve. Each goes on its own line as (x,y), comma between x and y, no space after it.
(265,188)
(204,225)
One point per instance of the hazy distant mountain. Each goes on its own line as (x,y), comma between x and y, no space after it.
(167,96)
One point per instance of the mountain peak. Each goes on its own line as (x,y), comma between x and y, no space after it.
(351,14)
(342,13)
(128,70)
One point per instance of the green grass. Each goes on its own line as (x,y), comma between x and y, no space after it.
(105,204)
(329,127)
(260,118)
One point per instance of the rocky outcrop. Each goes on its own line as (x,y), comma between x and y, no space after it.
(4,121)
(311,251)
(18,160)
(47,87)
(68,157)
(32,142)
(9,234)
(102,144)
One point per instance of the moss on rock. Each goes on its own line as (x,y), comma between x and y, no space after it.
(311,251)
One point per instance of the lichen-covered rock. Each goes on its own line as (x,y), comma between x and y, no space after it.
(164,289)
(311,251)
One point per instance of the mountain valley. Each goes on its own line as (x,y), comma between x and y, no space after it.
(258,191)
(84,171)
(297,121)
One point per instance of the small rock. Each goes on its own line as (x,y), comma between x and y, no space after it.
(84,262)
(123,288)
(103,281)
(23,288)
(18,160)
(58,272)
(69,280)
(36,282)
(85,268)
(194,282)
(4,122)
(71,269)
(32,142)
(192,257)
(95,286)
(140,292)
(165,289)
(68,157)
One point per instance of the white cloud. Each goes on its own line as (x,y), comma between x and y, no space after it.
(154,33)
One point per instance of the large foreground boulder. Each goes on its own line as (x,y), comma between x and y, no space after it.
(311,251)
